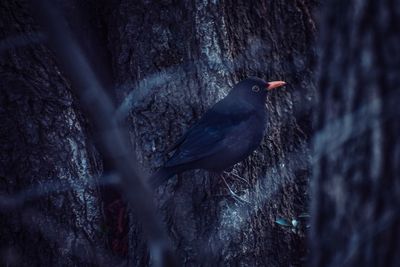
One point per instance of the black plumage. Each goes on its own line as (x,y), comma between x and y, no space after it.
(226,134)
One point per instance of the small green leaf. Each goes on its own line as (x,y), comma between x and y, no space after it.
(304,215)
(283,222)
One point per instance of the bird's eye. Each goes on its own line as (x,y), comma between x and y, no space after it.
(255,88)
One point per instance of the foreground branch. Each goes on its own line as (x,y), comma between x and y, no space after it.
(100,109)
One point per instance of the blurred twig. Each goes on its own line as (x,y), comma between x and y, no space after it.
(10,202)
(100,109)
(146,85)
(20,40)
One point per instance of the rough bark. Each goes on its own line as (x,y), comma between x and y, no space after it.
(171,61)
(50,209)
(355,201)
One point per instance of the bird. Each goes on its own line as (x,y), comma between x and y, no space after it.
(226,134)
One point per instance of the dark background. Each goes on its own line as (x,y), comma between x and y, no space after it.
(94,92)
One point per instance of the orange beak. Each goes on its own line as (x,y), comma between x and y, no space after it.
(275,84)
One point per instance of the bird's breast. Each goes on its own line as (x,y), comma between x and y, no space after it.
(247,138)
(238,144)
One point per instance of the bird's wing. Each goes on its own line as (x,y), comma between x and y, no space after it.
(204,138)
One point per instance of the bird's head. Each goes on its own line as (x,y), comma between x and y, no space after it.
(255,89)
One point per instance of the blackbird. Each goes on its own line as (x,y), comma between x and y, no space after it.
(226,134)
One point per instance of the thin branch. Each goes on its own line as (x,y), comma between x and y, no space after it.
(233,194)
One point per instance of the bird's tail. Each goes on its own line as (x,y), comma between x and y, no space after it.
(160,177)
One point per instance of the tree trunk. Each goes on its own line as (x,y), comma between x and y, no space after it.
(171,62)
(356,188)
(49,202)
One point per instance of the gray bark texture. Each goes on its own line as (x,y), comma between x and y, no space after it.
(171,61)
(50,213)
(356,184)
(165,63)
